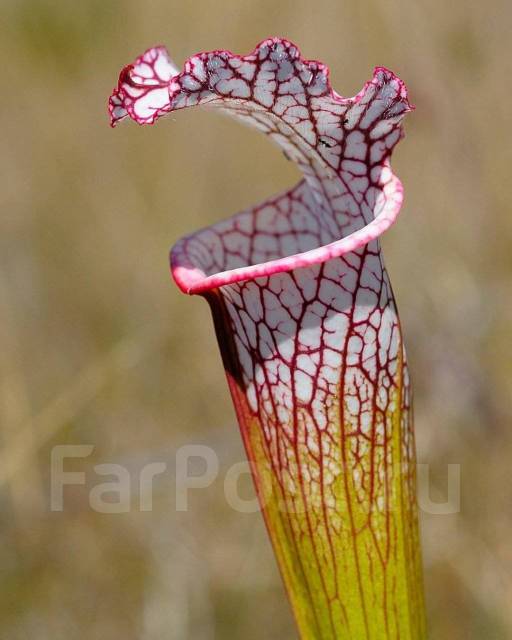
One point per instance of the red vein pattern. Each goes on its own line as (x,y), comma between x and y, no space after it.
(308,329)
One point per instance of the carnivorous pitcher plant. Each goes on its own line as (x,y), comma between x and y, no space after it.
(308,329)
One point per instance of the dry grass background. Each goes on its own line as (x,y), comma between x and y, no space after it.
(97,346)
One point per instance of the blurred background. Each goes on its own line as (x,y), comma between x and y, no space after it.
(99,347)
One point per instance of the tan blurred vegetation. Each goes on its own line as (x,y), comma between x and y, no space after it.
(99,347)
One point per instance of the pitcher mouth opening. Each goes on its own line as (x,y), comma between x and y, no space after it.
(349,196)
(195,269)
